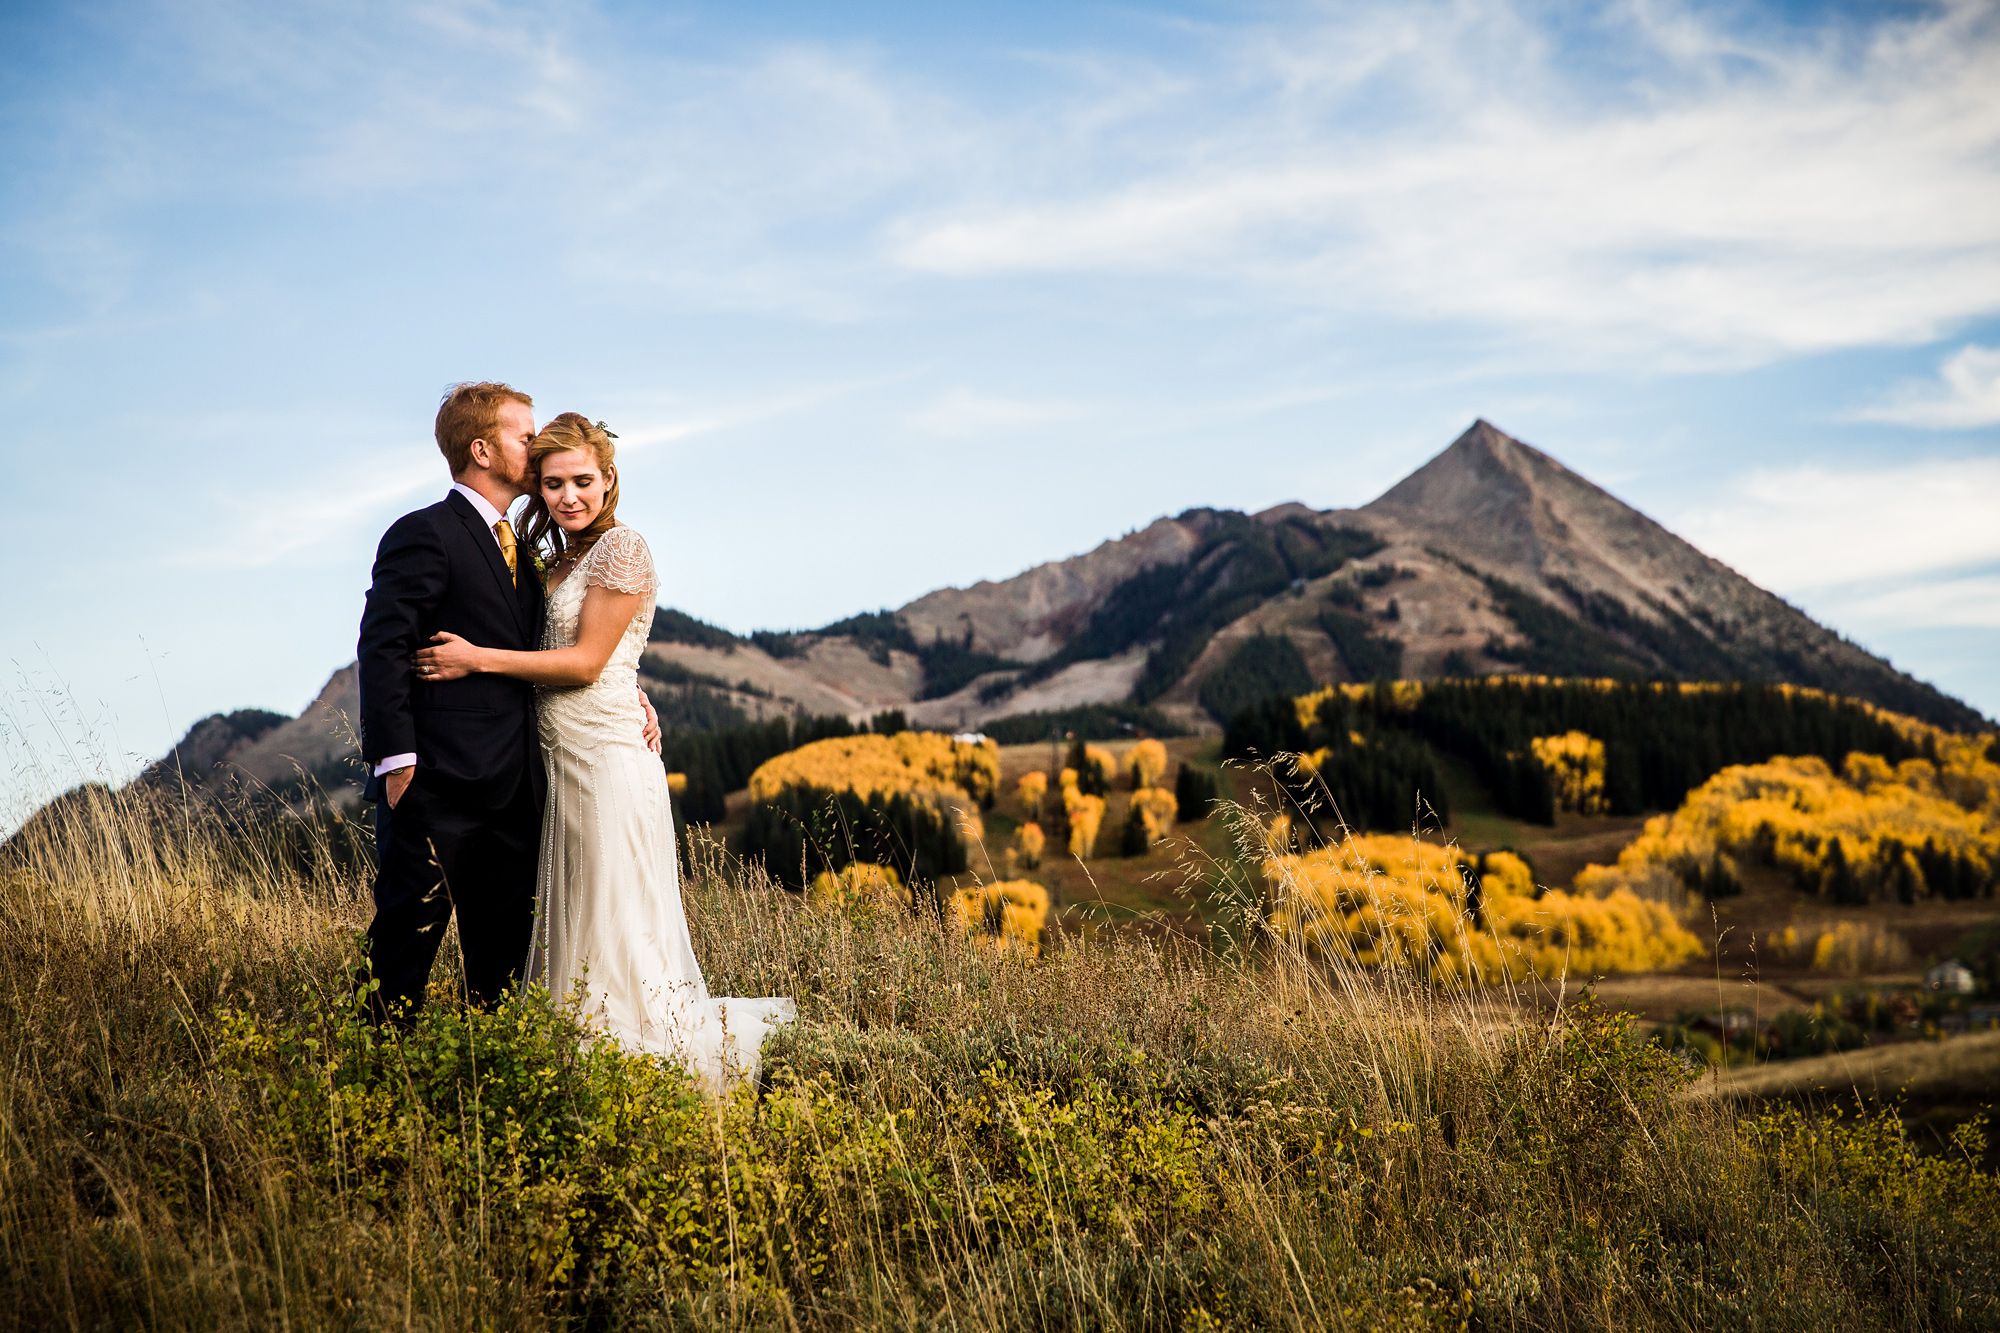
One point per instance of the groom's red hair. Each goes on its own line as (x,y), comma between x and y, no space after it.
(472,412)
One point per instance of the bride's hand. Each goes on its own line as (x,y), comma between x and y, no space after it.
(650,733)
(449,658)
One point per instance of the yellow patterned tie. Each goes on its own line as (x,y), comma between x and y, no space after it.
(505,532)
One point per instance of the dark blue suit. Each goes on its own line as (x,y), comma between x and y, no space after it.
(467,831)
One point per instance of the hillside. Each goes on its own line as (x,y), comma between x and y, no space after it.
(271,750)
(1491,558)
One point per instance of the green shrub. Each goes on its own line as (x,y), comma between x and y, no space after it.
(1815,1031)
(803,831)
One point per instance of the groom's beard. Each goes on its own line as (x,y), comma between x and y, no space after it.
(522,481)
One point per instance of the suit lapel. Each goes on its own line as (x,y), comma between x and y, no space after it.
(489,549)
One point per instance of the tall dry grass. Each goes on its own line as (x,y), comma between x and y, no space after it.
(197,1132)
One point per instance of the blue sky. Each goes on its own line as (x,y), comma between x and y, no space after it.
(886,297)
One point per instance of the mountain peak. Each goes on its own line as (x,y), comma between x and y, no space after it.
(1500,497)
(1510,509)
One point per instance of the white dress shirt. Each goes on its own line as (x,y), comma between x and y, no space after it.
(492,517)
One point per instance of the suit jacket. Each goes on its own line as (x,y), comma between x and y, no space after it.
(475,739)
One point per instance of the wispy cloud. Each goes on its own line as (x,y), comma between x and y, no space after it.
(1796,529)
(250,532)
(1738,199)
(1970,602)
(1965,394)
(1726,193)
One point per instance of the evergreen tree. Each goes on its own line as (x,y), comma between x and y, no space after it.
(1838,882)
(1196,790)
(1092,776)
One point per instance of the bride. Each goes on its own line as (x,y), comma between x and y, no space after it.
(608,912)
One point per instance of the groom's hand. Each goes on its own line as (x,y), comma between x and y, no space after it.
(651,731)
(395,783)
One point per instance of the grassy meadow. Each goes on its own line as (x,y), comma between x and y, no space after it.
(1137,1132)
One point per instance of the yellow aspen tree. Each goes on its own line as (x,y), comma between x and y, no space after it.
(1027,845)
(858,889)
(1009,916)
(1146,764)
(1150,820)
(1030,790)
(1389,901)
(1575,764)
(1086,814)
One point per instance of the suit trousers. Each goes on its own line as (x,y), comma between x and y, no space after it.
(434,856)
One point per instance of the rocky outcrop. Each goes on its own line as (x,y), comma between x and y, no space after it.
(1029,617)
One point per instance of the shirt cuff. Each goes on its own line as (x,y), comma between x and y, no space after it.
(394,762)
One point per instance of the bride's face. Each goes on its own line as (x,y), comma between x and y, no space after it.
(572,486)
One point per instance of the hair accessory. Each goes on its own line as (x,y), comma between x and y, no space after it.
(608,432)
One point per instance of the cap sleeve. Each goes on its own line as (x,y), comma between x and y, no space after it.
(620,562)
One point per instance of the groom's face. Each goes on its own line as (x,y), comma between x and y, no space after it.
(509,452)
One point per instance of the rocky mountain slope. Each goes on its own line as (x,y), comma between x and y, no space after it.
(1492,557)
(317,747)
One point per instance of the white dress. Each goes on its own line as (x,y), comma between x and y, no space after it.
(609,911)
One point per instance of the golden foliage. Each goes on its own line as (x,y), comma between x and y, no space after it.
(1028,844)
(1085,817)
(677,785)
(1871,830)
(1395,901)
(858,888)
(1851,948)
(910,761)
(1009,915)
(1155,809)
(1308,765)
(1084,814)
(1146,764)
(1404,693)
(1030,790)
(1102,762)
(956,778)
(1575,763)
(1278,837)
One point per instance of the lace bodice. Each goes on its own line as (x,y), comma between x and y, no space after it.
(583,715)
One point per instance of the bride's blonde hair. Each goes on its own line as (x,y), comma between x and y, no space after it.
(571,430)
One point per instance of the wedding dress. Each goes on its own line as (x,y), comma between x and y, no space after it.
(608,912)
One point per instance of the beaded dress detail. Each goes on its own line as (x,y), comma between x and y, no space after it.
(609,918)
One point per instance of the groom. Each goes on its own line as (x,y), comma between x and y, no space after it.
(455,767)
